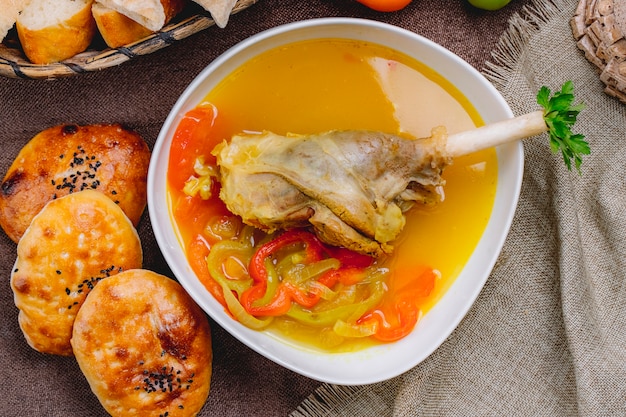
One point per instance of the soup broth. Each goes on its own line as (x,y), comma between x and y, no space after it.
(331,84)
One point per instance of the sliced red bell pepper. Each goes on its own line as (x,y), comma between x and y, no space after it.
(287,292)
(349,258)
(197,252)
(398,315)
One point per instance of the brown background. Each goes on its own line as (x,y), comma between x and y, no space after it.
(140,94)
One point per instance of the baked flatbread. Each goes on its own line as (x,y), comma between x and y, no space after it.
(68,158)
(72,244)
(144,346)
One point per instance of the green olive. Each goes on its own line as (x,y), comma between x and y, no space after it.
(489,4)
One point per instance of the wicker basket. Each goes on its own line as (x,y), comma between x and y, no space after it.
(14,64)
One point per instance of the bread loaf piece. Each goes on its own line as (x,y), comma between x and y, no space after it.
(68,158)
(117,29)
(152,14)
(144,346)
(220,10)
(10,10)
(51,31)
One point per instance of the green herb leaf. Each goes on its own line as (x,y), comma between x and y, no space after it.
(560,115)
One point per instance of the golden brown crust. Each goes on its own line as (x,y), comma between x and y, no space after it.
(60,41)
(67,158)
(116,29)
(153,14)
(144,346)
(172,8)
(72,244)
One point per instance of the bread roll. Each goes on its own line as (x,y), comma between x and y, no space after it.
(51,31)
(152,14)
(144,346)
(68,158)
(116,29)
(72,244)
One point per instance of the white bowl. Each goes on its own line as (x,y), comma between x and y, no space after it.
(385,361)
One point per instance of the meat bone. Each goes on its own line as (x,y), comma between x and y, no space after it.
(495,134)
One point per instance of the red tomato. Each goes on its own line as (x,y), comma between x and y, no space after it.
(385,5)
(193,137)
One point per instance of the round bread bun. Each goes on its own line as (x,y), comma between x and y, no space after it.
(144,346)
(68,158)
(51,31)
(72,244)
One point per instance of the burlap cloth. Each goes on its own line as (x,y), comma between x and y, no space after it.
(547,335)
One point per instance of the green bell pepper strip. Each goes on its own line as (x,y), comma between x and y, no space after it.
(215,263)
(347,312)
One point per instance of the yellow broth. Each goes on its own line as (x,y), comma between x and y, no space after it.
(330,84)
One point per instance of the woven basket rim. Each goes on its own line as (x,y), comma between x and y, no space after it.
(13,63)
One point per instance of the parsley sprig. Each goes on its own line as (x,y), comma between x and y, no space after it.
(560,114)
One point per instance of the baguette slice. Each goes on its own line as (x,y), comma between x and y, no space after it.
(220,10)
(51,31)
(153,14)
(117,29)
(10,10)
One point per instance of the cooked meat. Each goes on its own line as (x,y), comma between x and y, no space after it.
(352,187)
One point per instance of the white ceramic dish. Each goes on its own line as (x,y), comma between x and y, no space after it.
(381,362)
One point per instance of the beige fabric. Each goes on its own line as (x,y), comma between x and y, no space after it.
(547,336)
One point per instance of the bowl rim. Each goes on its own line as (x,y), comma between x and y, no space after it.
(347,368)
